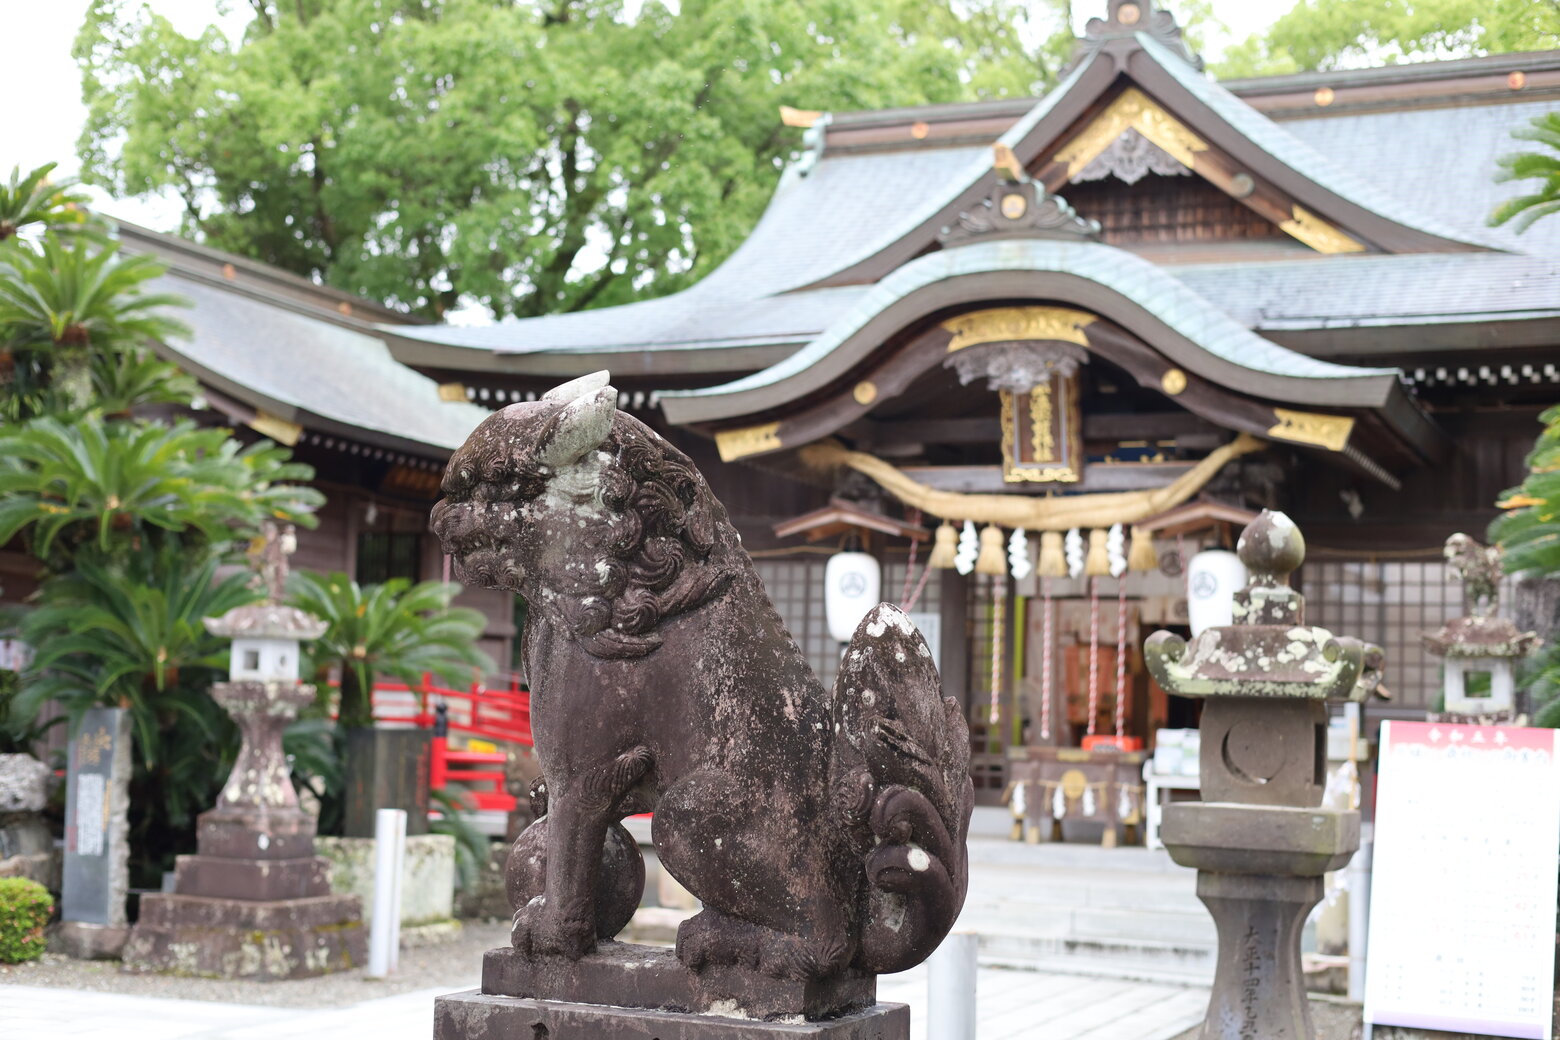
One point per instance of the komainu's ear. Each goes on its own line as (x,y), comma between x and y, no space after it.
(580,427)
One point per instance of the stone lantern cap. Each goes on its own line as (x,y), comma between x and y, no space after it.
(267,621)
(1474,637)
(1270,652)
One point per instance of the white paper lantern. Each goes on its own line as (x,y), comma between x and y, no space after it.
(1212,579)
(853,583)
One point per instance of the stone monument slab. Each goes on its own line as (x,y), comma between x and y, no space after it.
(96,875)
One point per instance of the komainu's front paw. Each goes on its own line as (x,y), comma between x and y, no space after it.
(538,931)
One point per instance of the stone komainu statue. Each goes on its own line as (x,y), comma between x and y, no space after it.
(823,833)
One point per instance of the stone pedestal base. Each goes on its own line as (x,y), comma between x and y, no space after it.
(627,975)
(89,942)
(1259,872)
(245,939)
(478,1016)
(1258,983)
(253,903)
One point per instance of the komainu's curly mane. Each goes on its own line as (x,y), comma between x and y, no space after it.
(661,521)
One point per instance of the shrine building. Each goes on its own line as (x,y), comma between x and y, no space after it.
(1063,344)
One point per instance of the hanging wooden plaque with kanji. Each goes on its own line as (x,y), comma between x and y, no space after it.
(1042,437)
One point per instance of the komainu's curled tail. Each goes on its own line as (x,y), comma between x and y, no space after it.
(901,776)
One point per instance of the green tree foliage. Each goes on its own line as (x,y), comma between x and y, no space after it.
(1529,535)
(396,629)
(531,156)
(1332,34)
(1543,167)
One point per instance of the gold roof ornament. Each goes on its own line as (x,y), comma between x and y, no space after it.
(799,117)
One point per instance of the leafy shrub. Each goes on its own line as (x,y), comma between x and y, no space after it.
(25,906)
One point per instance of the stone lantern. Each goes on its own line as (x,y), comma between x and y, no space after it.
(255,901)
(1260,840)
(1479,644)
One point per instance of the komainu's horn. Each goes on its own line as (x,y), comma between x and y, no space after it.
(574,389)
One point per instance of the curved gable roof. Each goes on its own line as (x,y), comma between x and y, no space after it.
(1282,144)
(1143,298)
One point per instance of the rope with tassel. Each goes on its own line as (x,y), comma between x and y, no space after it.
(1121,658)
(914,517)
(1094,652)
(1047,626)
(998,622)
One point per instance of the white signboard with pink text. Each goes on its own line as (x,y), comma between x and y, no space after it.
(1462,907)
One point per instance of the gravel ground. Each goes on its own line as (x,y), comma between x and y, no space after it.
(456,964)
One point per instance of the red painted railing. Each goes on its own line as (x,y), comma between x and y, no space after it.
(501,715)
(446,767)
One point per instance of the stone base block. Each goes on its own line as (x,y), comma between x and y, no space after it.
(245,834)
(238,939)
(427,876)
(39,867)
(89,942)
(478,1016)
(1233,838)
(255,879)
(631,976)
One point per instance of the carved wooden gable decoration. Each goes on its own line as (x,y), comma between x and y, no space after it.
(1135,135)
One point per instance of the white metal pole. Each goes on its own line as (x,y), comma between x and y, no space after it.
(950,985)
(1359,912)
(384,934)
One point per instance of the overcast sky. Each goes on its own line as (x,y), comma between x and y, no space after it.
(43,89)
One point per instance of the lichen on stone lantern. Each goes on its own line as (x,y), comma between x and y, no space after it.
(1481,642)
(266,635)
(263,693)
(1260,839)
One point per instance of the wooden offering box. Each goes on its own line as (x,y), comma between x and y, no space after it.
(1100,784)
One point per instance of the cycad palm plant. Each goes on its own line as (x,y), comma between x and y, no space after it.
(1529,536)
(396,629)
(134,378)
(68,484)
(63,299)
(128,635)
(1543,167)
(34,198)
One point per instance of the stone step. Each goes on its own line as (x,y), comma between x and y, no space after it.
(1042,888)
(1180,962)
(1070,856)
(1090,922)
